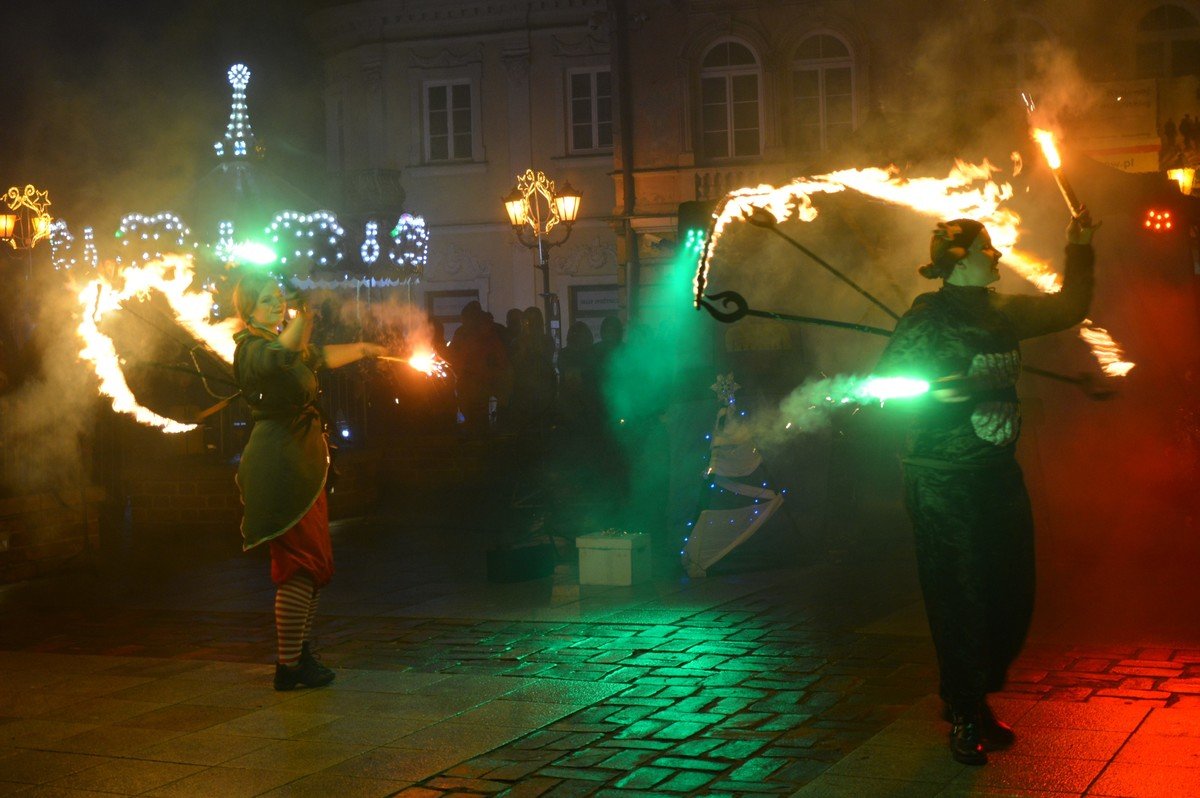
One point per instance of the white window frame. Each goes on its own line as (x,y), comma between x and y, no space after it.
(427,136)
(728,73)
(592,71)
(821,66)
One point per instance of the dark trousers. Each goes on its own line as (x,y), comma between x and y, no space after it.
(974,540)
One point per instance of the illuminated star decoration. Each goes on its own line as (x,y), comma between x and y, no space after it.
(238,138)
(410,246)
(725,388)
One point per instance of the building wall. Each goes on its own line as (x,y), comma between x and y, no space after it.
(929,82)
(516,57)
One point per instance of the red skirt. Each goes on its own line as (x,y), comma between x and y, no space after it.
(305,547)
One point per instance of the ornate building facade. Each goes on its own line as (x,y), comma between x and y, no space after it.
(645,104)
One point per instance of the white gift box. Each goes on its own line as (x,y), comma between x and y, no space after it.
(613,559)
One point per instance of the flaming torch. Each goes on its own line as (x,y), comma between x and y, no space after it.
(1045,140)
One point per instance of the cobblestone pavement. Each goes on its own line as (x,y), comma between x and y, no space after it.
(814,678)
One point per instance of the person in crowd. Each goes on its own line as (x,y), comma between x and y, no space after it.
(283,469)
(964,490)
(512,328)
(534,379)
(477,355)
(612,335)
(578,386)
(1187,131)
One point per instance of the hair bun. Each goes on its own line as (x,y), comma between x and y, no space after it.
(930,271)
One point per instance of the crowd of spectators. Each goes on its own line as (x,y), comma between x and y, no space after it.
(508,379)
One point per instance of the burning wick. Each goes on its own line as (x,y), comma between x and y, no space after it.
(425,362)
(1045,139)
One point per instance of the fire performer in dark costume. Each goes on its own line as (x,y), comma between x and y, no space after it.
(964,490)
(283,468)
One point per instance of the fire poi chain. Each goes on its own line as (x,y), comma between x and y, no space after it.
(968,191)
(173,277)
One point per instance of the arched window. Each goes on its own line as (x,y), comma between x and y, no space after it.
(731,121)
(1017,42)
(822,92)
(1168,43)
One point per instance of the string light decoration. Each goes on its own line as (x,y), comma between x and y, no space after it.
(410,246)
(91,256)
(145,238)
(369,251)
(62,245)
(316,237)
(239,138)
(224,246)
(65,252)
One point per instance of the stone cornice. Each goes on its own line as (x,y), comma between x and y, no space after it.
(349,25)
(446,57)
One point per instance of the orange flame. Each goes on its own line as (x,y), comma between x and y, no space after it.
(1105,349)
(172,277)
(1045,140)
(428,362)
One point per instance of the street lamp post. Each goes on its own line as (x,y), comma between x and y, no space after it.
(535,207)
(26,222)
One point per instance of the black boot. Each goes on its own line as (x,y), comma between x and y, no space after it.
(996,734)
(307,672)
(966,736)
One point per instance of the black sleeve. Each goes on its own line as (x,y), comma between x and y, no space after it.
(917,348)
(1034,315)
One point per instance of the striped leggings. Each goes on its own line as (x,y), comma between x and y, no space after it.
(295,607)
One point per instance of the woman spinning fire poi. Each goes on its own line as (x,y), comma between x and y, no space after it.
(282,472)
(964,490)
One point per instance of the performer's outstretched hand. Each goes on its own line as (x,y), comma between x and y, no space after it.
(951,389)
(1081,228)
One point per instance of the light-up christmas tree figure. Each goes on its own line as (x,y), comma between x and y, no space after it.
(238,140)
(738,498)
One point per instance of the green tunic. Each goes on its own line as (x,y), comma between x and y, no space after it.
(284,464)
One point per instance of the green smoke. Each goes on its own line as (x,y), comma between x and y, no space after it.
(666,358)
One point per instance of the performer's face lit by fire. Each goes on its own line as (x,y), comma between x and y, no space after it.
(981,265)
(270,308)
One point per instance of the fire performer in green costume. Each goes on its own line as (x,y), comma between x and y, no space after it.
(283,468)
(964,490)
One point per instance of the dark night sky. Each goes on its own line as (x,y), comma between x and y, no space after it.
(114,106)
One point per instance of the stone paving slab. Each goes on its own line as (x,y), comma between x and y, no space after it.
(813,678)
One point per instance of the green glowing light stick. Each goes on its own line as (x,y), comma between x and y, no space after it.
(885,388)
(253,253)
